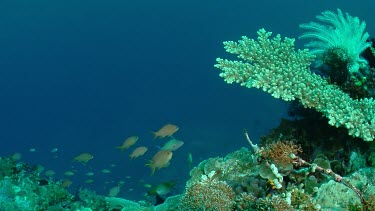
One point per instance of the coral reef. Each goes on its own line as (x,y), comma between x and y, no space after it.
(235,182)
(342,89)
(22,188)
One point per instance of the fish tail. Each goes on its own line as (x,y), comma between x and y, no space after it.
(155,134)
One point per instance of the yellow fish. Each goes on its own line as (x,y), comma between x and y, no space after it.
(128,143)
(83,158)
(160,160)
(139,151)
(114,191)
(166,130)
(66,183)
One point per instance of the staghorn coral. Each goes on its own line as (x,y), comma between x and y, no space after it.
(275,66)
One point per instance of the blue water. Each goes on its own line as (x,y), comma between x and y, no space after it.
(81,76)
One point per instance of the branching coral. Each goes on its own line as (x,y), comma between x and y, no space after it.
(275,66)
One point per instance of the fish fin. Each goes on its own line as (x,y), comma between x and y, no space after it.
(171,183)
(133,157)
(153,171)
(166,165)
(152,167)
(149,163)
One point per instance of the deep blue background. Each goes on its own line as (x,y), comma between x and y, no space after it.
(84,75)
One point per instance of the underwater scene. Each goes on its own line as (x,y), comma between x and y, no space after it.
(187,105)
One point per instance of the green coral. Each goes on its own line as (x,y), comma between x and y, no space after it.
(275,66)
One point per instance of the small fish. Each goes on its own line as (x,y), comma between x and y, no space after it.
(38,168)
(138,152)
(166,130)
(114,191)
(50,173)
(160,160)
(105,171)
(172,145)
(128,143)
(66,183)
(54,150)
(89,181)
(190,160)
(161,189)
(83,158)
(69,173)
(16,156)
(89,174)
(147,185)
